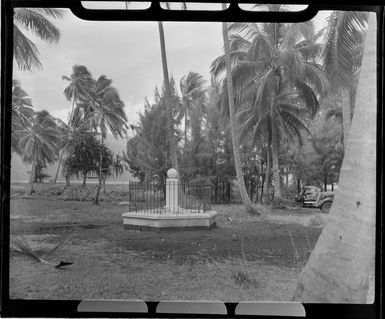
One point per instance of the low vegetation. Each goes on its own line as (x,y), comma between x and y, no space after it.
(244,258)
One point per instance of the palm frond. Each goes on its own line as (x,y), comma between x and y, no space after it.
(266,84)
(25,51)
(35,21)
(293,62)
(293,121)
(21,246)
(314,75)
(51,12)
(218,66)
(297,31)
(306,94)
(246,30)
(345,31)
(261,48)
(238,43)
(309,50)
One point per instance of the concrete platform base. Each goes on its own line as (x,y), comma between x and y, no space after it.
(148,221)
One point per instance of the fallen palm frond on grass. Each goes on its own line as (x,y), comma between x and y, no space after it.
(297,257)
(242,275)
(21,246)
(16,194)
(301,260)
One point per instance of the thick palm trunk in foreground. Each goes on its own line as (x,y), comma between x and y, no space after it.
(234,131)
(338,269)
(346,108)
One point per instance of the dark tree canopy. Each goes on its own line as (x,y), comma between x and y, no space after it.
(84,156)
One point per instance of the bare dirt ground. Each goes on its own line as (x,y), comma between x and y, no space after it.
(243,258)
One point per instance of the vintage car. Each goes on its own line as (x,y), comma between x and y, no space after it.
(324,201)
(308,195)
(312,196)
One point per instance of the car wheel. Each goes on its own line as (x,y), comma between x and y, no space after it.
(326,207)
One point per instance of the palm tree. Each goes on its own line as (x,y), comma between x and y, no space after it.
(169,111)
(38,141)
(342,57)
(191,90)
(343,258)
(105,111)
(233,124)
(166,80)
(276,80)
(22,111)
(80,82)
(37,21)
(69,134)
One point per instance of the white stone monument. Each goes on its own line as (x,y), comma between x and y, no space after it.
(172,187)
(171,216)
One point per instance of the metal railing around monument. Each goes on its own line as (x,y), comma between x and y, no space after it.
(151,197)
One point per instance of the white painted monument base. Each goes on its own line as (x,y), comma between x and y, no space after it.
(171,216)
(148,220)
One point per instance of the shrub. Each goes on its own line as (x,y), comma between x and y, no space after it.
(79,192)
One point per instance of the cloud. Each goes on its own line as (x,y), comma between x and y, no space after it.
(126,52)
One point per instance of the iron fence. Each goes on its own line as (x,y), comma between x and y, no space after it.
(221,191)
(195,197)
(146,196)
(151,197)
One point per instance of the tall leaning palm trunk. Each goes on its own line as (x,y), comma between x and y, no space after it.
(62,150)
(170,124)
(338,269)
(234,129)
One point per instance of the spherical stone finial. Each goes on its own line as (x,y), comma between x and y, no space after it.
(172,173)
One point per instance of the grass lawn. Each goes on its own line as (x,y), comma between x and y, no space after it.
(243,258)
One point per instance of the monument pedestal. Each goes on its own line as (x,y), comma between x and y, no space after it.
(172,216)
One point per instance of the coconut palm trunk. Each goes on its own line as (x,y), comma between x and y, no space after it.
(275,154)
(68,180)
(268,166)
(346,113)
(170,124)
(62,150)
(84,179)
(234,129)
(339,267)
(267,173)
(31,190)
(58,166)
(185,128)
(100,177)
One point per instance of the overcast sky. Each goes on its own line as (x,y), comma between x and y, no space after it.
(126,52)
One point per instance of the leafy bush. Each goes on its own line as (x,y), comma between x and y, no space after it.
(80,193)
